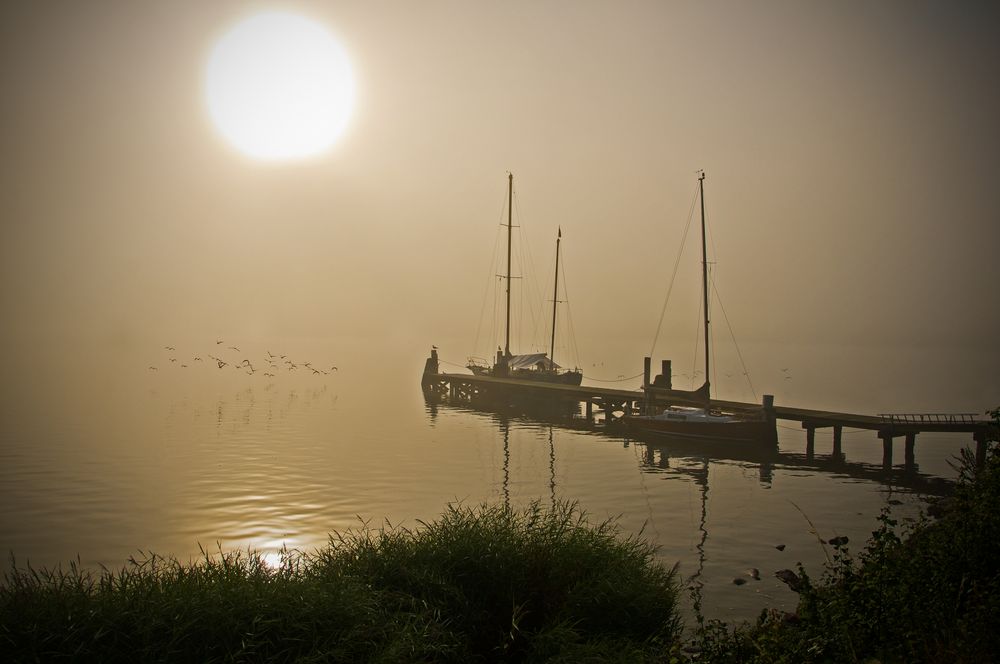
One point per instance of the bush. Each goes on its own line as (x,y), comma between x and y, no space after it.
(928,592)
(483,584)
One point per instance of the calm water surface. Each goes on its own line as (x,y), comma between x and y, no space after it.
(177,460)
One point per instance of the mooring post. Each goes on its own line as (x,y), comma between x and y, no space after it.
(838,430)
(590,410)
(810,442)
(665,372)
(911,439)
(647,404)
(886,449)
(767,405)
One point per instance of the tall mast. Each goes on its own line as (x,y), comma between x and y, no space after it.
(510,200)
(704,276)
(555,300)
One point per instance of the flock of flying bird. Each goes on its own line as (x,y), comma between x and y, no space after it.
(274,362)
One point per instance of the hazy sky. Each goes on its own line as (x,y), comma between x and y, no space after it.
(851,152)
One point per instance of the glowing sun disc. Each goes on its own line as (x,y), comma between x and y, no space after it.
(278,86)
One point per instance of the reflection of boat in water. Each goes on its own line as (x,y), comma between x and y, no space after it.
(703,422)
(534,366)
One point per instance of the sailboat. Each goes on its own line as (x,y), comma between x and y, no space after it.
(703,421)
(532,366)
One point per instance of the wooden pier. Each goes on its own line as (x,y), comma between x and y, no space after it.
(655,395)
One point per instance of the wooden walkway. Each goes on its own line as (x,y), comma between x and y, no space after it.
(613,404)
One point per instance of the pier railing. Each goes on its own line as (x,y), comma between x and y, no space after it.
(929,418)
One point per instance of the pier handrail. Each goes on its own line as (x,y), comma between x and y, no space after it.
(929,418)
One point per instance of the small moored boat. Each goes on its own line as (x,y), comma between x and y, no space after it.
(533,366)
(703,422)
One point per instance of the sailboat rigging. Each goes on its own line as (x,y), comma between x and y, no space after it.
(532,366)
(704,421)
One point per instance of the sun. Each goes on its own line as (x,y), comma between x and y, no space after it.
(279,86)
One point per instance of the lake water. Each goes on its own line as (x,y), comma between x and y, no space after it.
(178,459)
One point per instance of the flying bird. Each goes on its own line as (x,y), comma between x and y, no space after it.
(169,348)
(234,348)
(153,369)
(218,341)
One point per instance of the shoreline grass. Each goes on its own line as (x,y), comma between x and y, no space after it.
(479,584)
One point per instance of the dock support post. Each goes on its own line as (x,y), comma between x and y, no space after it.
(590,410)
(886,450)
(665,372)
(838,431)
(647,363)
(810,442)
(911,438)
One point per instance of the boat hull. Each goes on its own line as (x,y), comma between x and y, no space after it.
(565,378)
(737,430)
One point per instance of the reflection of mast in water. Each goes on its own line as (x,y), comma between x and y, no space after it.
(505,427)
(552,469)
(701,479)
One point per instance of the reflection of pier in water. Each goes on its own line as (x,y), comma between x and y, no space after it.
(659,452)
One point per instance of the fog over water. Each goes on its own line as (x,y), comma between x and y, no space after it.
(850,151)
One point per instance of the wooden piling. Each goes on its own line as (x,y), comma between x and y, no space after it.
(911,439)
(886,449)
(810,442)
(838,431)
